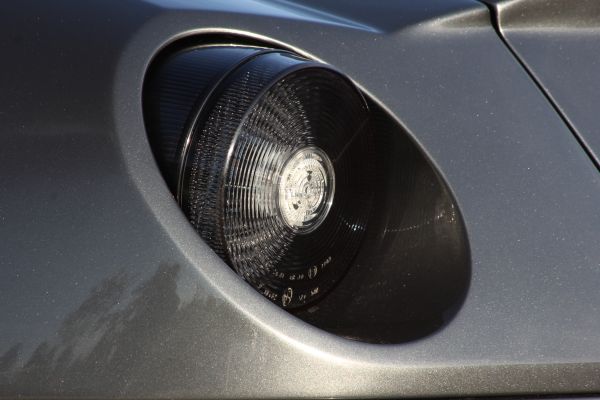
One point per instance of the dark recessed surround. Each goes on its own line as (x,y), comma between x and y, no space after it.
(308,189)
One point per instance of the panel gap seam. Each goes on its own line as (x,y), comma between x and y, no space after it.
(495,20)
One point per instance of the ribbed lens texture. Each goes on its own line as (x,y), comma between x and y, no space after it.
(179,85)
(279,176)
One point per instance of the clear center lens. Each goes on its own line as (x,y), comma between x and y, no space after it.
(306,189)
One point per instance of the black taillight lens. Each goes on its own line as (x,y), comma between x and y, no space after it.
(270,157)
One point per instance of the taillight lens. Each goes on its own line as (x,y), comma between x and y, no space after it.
(272,163)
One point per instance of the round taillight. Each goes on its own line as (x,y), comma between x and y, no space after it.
(270,157)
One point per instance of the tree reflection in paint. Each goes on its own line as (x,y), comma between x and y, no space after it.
(116,338)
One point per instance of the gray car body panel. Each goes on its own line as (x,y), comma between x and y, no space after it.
(558,43)
(106,291)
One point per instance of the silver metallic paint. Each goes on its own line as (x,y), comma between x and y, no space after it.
(106,291)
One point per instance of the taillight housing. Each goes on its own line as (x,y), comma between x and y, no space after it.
(308,189)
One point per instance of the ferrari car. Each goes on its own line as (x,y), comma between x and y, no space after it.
(299,199)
